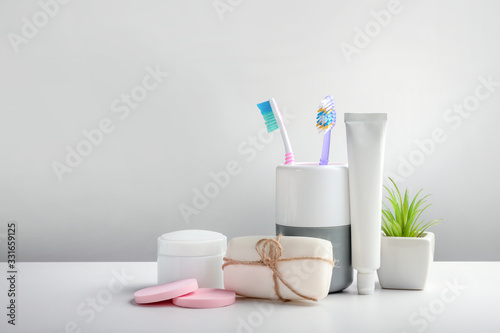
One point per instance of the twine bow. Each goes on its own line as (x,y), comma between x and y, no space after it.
(270,251)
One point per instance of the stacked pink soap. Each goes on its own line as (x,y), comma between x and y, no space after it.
(185,293)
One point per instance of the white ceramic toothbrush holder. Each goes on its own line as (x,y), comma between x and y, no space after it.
(313,200)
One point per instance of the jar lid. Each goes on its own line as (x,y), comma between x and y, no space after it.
(190,243)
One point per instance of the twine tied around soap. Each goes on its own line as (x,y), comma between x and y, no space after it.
(270,251)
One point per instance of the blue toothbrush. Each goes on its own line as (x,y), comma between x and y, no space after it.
(273,119)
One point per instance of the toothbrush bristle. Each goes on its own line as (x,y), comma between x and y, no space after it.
(267,113)
(327,116)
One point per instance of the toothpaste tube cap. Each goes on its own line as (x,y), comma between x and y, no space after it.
(366,283)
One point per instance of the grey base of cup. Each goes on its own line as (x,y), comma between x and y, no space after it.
(340,237)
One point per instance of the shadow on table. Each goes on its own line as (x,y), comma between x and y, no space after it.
(162,304)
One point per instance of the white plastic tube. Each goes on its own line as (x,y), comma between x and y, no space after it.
(365,151)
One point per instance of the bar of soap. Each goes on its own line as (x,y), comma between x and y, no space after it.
(302,267)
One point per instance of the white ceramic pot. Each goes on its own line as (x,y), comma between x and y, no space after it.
(405,261)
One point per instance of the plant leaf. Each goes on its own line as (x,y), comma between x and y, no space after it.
(399,218)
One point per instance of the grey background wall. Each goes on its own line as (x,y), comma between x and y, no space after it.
(116,115)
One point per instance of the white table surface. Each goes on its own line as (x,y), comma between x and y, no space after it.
(88,297)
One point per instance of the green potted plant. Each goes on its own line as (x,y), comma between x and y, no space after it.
(407,248)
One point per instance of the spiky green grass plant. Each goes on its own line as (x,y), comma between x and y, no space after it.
(401,219)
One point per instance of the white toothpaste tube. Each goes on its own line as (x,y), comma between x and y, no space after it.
(365,150)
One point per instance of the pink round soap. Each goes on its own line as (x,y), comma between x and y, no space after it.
(165,291)
(206,298)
